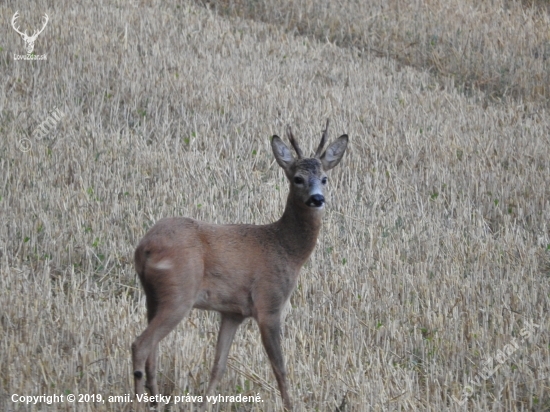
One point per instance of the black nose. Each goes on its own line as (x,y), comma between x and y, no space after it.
(316,201)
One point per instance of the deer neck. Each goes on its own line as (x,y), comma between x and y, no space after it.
(298,229)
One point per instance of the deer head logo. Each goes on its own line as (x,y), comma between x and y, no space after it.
(29,40)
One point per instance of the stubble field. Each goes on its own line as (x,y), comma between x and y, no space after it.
(429,288)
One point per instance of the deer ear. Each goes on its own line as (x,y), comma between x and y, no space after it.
(282,153)
(334,152)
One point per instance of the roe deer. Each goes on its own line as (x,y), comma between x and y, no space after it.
(238,270)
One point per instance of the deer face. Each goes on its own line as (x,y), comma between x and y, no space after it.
(308,180)
(29,43)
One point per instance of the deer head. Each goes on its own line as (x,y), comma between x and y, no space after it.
(29,40)
(307,176)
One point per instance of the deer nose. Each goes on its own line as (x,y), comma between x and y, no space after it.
(316,201)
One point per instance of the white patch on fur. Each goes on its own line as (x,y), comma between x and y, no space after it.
(162,265)
(316,189)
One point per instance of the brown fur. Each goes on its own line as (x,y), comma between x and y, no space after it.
(238,270)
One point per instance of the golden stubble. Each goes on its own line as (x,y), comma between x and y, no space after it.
(434,251)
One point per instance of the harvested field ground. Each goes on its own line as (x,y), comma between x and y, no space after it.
(430,285)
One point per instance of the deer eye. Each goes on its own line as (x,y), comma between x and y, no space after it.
(324,180)
(299,180)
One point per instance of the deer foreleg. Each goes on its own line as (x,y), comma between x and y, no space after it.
(228,327)
(270,329)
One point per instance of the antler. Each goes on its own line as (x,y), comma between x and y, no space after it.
(293,142)
(25,35)
(36,33)
(15,16)
(323,141)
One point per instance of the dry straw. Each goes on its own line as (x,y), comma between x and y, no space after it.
(435,251)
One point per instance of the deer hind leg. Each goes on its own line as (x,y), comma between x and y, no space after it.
(270,330)
(164,316)
(228,326)
(151,362)
(151,371)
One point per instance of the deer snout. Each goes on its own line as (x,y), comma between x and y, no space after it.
(316,201)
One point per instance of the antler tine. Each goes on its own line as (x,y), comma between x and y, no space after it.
(293,142)
(13,19)
(323,141)
(46,19)
(37,32)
